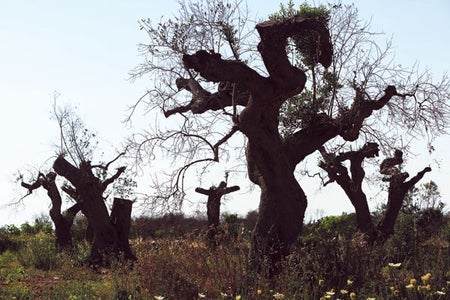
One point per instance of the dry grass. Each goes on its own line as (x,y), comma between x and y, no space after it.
(186,268)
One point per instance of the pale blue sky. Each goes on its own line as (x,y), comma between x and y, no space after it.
(85,49)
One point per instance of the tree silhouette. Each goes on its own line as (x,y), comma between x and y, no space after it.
(213,205)
(86,184)
(207,79)
(351,183)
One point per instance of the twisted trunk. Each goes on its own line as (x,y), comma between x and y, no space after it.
(89,189)
(281,209)
(398,188)
(282,201)
(271,159)
(352,186)
(63,222)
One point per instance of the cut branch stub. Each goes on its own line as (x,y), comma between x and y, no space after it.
(274,35)
(228,94)
(215,69)
(352,121)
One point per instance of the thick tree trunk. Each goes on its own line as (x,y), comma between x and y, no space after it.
(398,188)
(281,210)
(121,220)
(62,222)
(363,216)
(90,191)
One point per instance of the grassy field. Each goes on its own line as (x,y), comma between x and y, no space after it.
(328,262)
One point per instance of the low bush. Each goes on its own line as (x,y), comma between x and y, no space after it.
(39,251)
(329,261)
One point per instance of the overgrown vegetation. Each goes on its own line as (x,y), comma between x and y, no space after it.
(330,261)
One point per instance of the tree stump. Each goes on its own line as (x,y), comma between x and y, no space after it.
(121,220)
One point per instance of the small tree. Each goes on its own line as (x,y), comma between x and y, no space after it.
(213,205)
(86,188)
(62,221)
(351,183)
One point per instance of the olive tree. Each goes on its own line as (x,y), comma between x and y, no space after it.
(86,184)
(303,83)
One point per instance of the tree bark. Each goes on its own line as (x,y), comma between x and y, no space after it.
(62,222)
(352,186)
(90,191)
(213,207)
(398,188)
(121,220)
(281,209)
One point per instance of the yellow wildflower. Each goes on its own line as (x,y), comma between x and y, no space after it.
(201,295)
(344,292)
(259,292)
(238,297)
(321,281)
(330,293)
(392,288)
(352,295)
(158,297)
(440,293)
(349,282)
(413,281)
(372,298)
(425,278)
(409,286)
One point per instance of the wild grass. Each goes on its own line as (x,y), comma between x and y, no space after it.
(324,264)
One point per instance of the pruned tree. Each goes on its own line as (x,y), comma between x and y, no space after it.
(90,189)
(213,205)
(352,184)
(62,221)
(204,74)
(86,184)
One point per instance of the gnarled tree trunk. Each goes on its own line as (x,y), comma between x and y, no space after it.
(90,191)
(398,188)
(63,222)
(352,186)
(281,209)
(272,159)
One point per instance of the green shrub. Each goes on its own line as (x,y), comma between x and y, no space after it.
(11,229)
(39,251)
(12,274)
(331,227)
(8,242)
